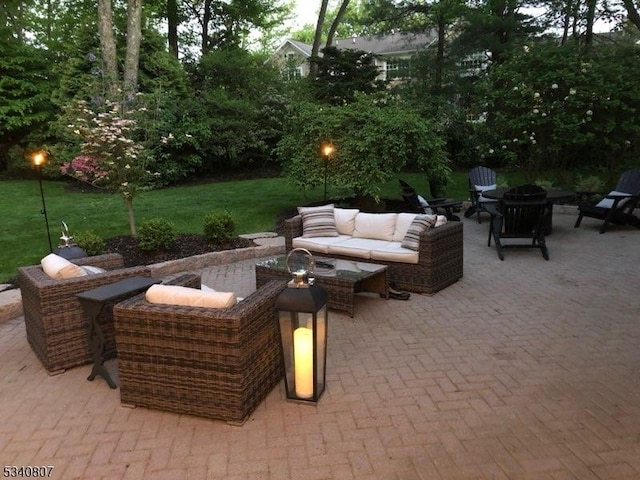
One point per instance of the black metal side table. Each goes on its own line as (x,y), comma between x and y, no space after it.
(93,302)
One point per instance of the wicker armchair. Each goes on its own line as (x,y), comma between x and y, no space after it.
(57,329)
(213,363)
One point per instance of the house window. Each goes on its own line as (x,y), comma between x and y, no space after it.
(397,68)
(292,70)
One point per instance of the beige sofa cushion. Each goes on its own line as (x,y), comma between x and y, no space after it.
(192,297)
(345,220)
(356,247)
(394,252)
(376,226)
(317,244)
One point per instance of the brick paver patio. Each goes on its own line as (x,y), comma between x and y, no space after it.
(524,369)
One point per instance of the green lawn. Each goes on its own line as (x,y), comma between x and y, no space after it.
(255,205)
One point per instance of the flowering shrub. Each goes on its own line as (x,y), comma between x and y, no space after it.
(85,168)
(557,107)
(111,156)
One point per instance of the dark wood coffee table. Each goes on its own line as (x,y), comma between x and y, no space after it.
(341,278)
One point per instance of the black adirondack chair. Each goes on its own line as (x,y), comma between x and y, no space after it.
(438,206)
(519,215)
(480,178)
(616,207)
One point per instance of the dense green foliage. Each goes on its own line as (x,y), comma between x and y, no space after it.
(557,107)
(374,139)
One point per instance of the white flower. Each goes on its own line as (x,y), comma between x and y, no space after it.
(627,142)
(572,91)
(536,111)
(544,114)
(534,142)
(127,166)
(536,95)
(125,184)
(515,140)
(515,89)
(554,86)
(589,112)
(504,147)
(188,136)
(491,149)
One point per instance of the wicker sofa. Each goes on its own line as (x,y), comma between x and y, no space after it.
(437,263)
(213,363)
(56,326)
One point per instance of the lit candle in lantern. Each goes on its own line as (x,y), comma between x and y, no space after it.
(303,361)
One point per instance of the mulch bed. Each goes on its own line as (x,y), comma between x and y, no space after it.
(185,245)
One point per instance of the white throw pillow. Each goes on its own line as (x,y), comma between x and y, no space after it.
(318,221)
(58,267)
(345,220)
(192,297)
(608,202)
(377,226)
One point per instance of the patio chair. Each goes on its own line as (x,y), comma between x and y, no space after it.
(56,326)
(480,179)
(616,207)
(218,363)
(418,204)
(519,215)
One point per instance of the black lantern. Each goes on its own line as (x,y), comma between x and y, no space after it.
(302,315)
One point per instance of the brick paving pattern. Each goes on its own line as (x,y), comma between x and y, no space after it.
(524,369)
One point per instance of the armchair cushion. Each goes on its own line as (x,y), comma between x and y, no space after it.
(484,188)
(192,297)
(58,267)
(318,221)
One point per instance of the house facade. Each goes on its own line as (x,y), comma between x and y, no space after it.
(392,53)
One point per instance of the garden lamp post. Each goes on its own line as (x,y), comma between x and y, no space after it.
(39,159)
(327,150)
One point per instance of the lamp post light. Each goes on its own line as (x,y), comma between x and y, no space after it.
(39,159)
(327,150)
(303,322)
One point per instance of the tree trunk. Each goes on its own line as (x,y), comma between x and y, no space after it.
(132,57)
(206,18)
(336,22)
(632,13)
(108,47)
(442,38)
(172,27)
(315,49)
(591,14)
(128,201)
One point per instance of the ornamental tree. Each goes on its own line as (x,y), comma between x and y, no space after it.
(111,157)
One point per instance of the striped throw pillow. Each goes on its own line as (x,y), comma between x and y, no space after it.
(318,221)
(420,224)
